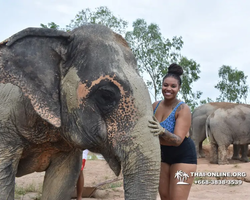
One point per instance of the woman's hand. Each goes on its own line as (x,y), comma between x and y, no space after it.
(155,127)
(166,138)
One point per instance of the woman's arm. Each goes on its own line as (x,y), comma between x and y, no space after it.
(182,125)
(170,139)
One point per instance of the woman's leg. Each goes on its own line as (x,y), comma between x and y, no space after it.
(79,187)
(164,181)
(181,191)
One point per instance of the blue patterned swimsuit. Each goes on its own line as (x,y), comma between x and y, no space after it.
(185,152)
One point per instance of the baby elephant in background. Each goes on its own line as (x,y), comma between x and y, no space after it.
(198,132)
(227,126)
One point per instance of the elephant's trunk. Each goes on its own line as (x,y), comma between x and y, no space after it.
(141,164)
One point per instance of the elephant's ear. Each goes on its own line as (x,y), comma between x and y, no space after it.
(31,60)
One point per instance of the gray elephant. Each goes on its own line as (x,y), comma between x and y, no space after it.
(198,132)
(225,126)
(63,92)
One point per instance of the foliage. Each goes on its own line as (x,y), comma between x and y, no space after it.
(92,157)
(233,85)
(153,52)
(113,185)
(102,15)
(191,70)
(206,101)
(52,25)
(206,142)
(21,191)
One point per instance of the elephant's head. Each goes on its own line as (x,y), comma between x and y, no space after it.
(86,82)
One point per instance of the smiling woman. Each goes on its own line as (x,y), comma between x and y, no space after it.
(177,150)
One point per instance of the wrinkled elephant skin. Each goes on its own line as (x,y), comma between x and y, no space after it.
(63,92)
(227,126)
(198,131)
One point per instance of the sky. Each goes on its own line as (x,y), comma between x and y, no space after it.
(215,32)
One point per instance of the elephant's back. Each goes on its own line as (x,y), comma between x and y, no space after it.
(236,118)
(204,110)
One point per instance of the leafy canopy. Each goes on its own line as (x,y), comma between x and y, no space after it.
(191,70)
(101,15)
(152,51)
(154,54)
(232,85)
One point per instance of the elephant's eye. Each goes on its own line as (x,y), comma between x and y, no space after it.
(107,98)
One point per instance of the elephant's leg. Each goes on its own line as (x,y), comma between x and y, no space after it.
(197,148)
(61,176)
(9,158)
(222,155)
(201,152)
(244,152)
(214,153)
(236,152)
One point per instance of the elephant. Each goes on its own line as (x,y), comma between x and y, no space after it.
(198,132)
(225,126)
(63,92)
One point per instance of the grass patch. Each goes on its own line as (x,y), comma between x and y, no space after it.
(92,157)
(21,191)
(206,142)
(113,185)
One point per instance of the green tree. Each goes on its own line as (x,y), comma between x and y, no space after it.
(52,25)
(233,86)
(101,15)
(191,70)
(153,52)
(204,101)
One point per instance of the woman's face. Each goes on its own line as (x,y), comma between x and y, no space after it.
(170,87)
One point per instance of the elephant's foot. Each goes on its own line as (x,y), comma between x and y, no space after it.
(235,158)
(213,161)
(198,155)
(223,162)
(222,155)
(244,159)
(202,155)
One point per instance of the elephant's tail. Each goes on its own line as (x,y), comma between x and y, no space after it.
(208,128)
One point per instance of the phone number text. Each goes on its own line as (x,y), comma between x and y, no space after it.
(218,182)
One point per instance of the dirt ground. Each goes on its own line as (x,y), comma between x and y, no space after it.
(98,174)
